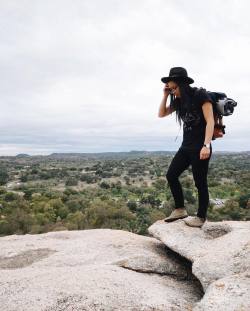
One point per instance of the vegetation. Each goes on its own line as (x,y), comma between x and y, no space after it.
(126,191)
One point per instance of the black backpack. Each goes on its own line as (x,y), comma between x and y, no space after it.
(222,106)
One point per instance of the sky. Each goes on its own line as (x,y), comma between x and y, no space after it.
(85,76)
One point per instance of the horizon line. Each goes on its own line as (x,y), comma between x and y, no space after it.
(101,152)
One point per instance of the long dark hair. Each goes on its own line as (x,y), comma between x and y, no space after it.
(183,103)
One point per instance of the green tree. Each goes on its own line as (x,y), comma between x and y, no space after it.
(62,212)
(4,176)
(243,199)
(71,181)
(76,221)
(109,214)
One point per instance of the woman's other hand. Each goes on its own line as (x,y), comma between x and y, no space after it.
(204,153)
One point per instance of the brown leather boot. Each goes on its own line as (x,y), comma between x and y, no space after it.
(177,213)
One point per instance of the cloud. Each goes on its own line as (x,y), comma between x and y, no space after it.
(86,75)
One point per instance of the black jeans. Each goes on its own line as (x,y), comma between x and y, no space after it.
(181,161)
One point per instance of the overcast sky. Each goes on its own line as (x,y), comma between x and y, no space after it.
(84,76)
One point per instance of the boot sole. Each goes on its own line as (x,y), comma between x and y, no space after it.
(173,219)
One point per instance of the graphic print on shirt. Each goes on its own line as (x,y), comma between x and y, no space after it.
(190,119)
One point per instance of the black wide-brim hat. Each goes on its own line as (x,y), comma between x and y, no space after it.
(177,74)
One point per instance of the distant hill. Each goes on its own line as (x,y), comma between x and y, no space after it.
(22,155)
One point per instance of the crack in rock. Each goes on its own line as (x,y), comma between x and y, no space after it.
(137,264)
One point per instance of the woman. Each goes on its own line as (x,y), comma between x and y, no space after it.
(194,108)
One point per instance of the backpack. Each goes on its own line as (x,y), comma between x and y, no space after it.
(222,106)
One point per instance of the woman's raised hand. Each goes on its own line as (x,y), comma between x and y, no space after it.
(166,90)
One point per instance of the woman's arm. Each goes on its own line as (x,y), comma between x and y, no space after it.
(164,110)
(209,117)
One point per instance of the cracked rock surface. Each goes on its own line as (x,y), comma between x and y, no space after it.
(98,269)
(220,256)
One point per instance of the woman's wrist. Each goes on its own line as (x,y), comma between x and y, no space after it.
(206,145)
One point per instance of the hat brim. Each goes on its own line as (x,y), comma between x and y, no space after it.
(177,78)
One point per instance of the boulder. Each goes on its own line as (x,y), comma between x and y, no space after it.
(220,257)
(99,269)
(176,267)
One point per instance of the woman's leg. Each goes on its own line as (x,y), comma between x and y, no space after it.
(179,163)
(200,170)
